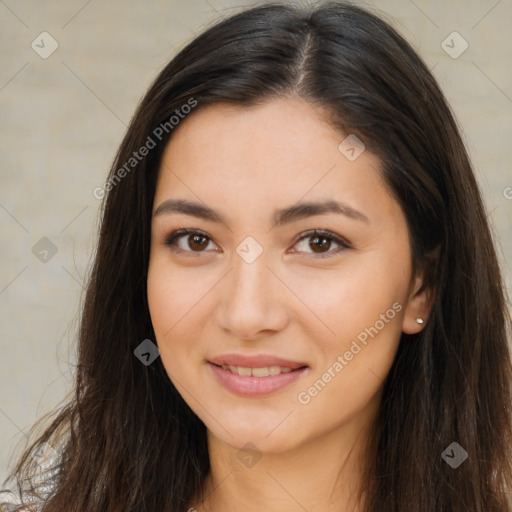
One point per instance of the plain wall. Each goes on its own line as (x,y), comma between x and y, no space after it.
(62,118)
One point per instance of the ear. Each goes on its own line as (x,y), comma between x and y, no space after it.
(421,297)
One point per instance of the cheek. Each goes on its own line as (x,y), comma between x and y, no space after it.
(353,362)
(356,329)
(343,303)
(173,295)
(171,300)
(178,300)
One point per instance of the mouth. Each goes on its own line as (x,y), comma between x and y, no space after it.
(256,362)
(262,371)
(257,375)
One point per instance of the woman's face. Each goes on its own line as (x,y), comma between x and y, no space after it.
(272,333)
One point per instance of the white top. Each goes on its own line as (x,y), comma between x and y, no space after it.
(44,458)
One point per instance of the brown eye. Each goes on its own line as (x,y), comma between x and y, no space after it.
(320,244)
(197,242)
(188,241)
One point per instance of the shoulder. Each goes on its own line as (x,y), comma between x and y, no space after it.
(11,501)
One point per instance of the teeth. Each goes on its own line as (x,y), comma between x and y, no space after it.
(256,372)
(274,370)
(246,372)
(260,372)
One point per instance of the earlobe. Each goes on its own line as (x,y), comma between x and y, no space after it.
(417,308)
(421,297)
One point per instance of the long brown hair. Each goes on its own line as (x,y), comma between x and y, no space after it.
(126,439)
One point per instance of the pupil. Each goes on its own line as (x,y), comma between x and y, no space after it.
(197,242)
(319,242)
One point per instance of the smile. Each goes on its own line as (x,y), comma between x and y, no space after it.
(264,371)
(255,381)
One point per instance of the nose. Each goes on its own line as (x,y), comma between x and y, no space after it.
(253,301)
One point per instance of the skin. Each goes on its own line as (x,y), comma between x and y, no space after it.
(205,301)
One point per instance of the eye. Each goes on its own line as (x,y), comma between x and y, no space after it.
(188,240)
(320,242)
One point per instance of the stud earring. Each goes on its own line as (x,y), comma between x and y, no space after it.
(419,320)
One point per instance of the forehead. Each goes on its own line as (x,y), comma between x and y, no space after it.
(273,154)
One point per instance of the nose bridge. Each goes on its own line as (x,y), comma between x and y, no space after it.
(251,301)
(250,279)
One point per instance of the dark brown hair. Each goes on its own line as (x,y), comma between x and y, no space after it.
(127,441)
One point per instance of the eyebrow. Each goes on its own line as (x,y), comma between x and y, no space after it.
(281,217)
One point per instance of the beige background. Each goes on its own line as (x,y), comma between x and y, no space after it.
(63,117)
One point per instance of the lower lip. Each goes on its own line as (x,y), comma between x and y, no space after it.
(254,386)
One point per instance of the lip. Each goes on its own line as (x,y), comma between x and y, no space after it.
(257,361)
(250,386)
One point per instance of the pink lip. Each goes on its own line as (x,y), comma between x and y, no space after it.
(255,361)
(255,386)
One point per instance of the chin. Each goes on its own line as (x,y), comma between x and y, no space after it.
(268,434)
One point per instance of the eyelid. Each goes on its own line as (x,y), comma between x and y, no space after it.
(175,235)
(341,241)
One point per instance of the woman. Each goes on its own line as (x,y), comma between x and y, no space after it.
(295,303)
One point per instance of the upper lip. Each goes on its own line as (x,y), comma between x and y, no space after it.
(259,361)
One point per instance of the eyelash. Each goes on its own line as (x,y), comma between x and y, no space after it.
(329,235)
